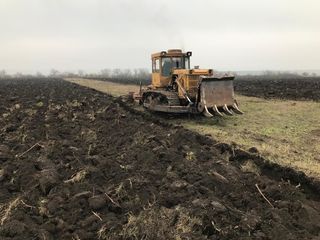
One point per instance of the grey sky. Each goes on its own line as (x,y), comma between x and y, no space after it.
(37,35)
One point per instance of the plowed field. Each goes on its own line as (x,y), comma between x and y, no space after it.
(294,88)
(79,164)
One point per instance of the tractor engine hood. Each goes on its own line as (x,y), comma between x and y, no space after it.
(201,71)
(206,72)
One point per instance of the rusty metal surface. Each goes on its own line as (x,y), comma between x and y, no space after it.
(217,92)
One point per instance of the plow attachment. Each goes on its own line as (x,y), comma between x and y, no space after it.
(217,96)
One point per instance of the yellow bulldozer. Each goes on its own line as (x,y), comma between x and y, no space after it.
(176,88)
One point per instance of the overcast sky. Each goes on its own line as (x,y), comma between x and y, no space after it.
(38,35)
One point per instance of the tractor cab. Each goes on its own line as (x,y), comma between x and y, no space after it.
(170,63)
(164,63)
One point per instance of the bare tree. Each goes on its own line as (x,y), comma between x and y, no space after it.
(3,74)
(268,73)
(132,76)
(69,74)
(305,74)
(105,72)
(81,73)
(18,75)
(39,75)
(143,73)
(126,73)
(54,73)
(116,72)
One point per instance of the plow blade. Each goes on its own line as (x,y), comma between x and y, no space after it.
(217,96)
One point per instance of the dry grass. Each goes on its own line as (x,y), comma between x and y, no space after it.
(286,132)
(42,207)
(283,131)
(106,87)
(251,167)
(77,177)
(6,210)
(154,223)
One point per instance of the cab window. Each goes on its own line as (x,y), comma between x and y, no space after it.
(155,65)
(186,63)
(166,66)
(177,62)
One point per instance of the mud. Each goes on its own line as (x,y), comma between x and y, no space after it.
(78,164)
(294,88)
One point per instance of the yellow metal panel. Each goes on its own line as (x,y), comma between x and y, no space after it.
(164,81)
(201,71)
(160,81)
(181,71)
(156,79)
(190,84)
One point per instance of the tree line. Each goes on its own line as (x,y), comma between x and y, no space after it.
(126,76)
(135,76)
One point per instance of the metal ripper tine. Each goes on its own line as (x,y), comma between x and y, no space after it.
(236,109)
(206,112)
(226,110)
(216,110)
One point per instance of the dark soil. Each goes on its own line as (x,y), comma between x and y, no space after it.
(294,88)
(78,164)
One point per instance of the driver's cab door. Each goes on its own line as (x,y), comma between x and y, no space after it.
(156,72)
(161,71)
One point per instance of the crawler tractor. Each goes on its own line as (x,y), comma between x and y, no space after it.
(176,88)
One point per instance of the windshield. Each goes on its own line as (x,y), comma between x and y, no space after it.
(168,64)
(177,62)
